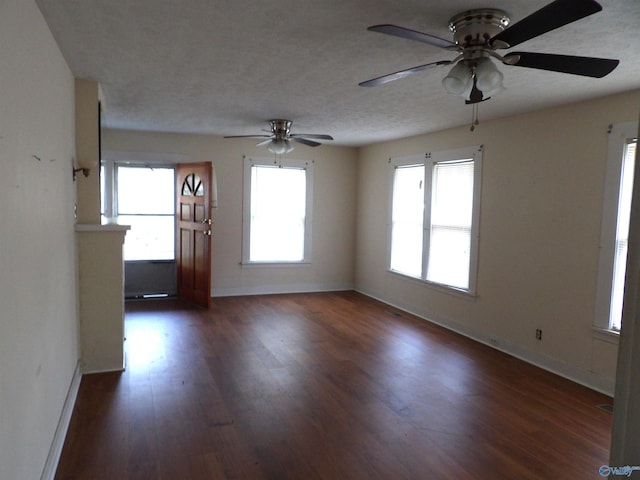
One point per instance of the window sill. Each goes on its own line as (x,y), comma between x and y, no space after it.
(456,292)
(606,335)
(275,264)
(150,260)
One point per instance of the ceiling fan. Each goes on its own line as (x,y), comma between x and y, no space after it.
(278,140)
(477,34)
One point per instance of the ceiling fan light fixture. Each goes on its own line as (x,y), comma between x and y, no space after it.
(492,93)
(467,91)
(488,77)
(280,146)
(458,79)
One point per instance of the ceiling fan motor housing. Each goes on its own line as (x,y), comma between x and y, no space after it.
(473,29)
(280,128)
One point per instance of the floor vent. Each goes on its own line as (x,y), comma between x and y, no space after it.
(606,407)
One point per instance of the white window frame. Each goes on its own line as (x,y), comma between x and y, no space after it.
(113,158)
(619,137)
(306,165)
(429,160)
(122,217)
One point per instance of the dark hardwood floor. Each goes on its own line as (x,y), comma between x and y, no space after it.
(324,386)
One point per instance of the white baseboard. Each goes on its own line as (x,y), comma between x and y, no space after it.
(49,471)
(578,375)
(88,369)
(277,289)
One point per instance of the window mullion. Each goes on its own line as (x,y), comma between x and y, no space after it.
(426,223)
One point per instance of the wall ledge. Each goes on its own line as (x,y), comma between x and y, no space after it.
(105,227)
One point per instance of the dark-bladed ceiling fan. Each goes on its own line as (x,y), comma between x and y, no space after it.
(278,140)
(477,34)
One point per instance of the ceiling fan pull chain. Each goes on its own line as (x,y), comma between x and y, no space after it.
(474,117)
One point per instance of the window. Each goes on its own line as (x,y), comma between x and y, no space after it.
(143,197)
(615,225)
(145,200)
(434,217)
(277,220)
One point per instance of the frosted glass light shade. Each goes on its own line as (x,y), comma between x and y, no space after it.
(458,79)
(280,146)
(488,77)
(494,92)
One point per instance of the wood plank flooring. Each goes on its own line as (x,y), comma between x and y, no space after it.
(324,386)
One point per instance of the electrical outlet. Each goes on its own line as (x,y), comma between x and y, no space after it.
(538,334)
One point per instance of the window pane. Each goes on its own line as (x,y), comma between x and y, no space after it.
(449,256)
(278,210)
(407,220)
(143,190)
(150,237)
(451,218)
(622,236)
(103,192)
(452,196)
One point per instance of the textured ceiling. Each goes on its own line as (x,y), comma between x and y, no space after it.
(225,67)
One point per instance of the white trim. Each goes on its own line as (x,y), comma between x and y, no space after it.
(248,163)
(453,291)
(150,159)
(275,264)
(617,142)
(581,376)
(90,371)
(104,227)
(51,465)
(429,160)
(606,335)
(281,289)
(144,158)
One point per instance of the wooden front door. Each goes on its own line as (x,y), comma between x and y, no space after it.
(193,236)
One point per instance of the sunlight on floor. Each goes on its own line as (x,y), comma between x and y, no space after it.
(145,346)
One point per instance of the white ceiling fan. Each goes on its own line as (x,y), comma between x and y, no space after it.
(279,140)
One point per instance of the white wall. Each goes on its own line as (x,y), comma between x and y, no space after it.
(541,206)
(542,188)
(38,328)
(334,208)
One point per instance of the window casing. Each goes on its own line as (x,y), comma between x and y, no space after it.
(277,211)
(141,195)
(435,205)
(145,200)
(615,225)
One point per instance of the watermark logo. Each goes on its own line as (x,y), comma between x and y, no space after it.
(606,470)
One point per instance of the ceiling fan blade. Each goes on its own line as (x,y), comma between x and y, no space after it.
(554,15)
(304,141)
(264,142)
(312,135)
(413,35)
(403,73)
(585,66)
(246,136)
